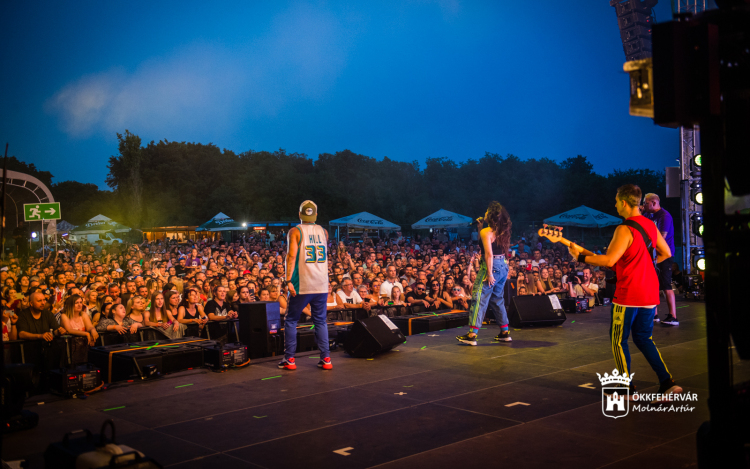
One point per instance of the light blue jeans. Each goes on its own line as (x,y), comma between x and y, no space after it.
(487,296)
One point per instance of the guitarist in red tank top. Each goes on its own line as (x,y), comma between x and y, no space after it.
(637,294)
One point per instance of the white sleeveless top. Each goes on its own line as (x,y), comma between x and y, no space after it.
(310,274)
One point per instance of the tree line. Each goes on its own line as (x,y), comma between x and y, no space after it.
(178,183)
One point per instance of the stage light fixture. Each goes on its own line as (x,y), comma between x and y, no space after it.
(696,192)
(696,221)
(695,167)
(33,235)
(699,258)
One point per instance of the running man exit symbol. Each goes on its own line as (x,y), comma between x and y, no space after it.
(38,212)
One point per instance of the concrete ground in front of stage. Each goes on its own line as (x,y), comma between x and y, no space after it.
(535,402)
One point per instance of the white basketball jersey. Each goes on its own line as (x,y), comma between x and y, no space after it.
(310,274)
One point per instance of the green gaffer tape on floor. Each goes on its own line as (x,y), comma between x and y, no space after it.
(424,347)
(114,408)
(270,377)
(183,385)
(686,306)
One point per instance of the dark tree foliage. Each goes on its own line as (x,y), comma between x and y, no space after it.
(188,183)
(14,164)
(80,202)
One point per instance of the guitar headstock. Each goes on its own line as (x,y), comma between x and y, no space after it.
(553,233)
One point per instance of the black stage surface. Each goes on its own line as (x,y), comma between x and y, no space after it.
(432,403)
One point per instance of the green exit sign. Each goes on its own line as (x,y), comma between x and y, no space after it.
(38,212)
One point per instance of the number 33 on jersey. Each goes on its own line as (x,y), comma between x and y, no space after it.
(310,273)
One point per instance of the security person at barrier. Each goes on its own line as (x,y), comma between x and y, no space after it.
(490,281)
(37,323)
(637,294)
(307,279)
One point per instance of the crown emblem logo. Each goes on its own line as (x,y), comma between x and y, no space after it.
(615,378)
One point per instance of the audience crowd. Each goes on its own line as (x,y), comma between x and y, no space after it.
(168,286)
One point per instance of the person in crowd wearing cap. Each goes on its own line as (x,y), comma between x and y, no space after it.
(307,280)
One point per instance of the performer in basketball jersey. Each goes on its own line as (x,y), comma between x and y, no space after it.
(307,279)
(490,282)
(637,293)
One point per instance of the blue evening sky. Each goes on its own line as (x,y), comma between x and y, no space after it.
(403,79)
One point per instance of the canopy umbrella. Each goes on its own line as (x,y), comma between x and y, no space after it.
(100,225)
(442,219)
(583,217)
(62,227)
(364,220)
(221,222)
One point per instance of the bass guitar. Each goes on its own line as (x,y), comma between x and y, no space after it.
(554,234)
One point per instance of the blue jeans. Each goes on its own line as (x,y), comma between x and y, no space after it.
(639,321)
(487,296)
(319,312)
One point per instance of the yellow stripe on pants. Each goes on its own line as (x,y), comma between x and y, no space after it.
(478,283)
(618,320)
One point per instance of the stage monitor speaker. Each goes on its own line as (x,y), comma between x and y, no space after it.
(372,335)
(536,311)
(258,322)
(574,305)
(673,176)
(510,291)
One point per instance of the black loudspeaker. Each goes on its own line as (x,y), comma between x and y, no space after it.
(75,380)
(536,311)
(372,335)
(141,363)
(575,305)
(673,181)
(177,358)
(221,356)
(510,290)
(259,322)
(16,381)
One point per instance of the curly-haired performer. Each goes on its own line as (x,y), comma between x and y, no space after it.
(490,281)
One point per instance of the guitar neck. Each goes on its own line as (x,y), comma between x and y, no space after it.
(564,242)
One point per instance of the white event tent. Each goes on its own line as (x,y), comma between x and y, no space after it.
(442,219)
(583,217)
(364,220)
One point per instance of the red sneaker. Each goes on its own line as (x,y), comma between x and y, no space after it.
(325,364)
(288,364)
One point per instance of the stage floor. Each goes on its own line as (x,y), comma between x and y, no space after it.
(535,402)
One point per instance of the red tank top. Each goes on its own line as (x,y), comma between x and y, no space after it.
(637,283)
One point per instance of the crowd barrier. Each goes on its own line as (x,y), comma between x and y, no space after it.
(65,349)
(69,354)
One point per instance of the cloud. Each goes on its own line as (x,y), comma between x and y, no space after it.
(205,87)
(189,88)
